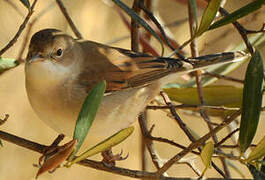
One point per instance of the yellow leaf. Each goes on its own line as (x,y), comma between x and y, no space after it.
(258,152)
(104,145)
(206,155)
(213,95)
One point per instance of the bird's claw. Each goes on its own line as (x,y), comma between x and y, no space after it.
(109,158)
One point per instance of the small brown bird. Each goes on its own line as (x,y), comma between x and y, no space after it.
(60,71)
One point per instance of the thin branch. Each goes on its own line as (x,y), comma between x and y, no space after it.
(30,25)
(150,146)
(261,30)
(88,163)
(69,20)
(219,76)
(234,146)
(193,107)
(145,44)
(2,121)
(181,124)
(23,142)
(242,31)
(198,143)
(135,27)
(167,141)
(226,138)
(20,30)
(195,53)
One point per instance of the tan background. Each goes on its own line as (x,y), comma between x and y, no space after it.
(99,22)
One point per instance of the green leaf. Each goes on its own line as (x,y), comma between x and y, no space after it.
(1,144)
(6,64)
(258,175)
(139,20)
(213,95)
(88,113)
(258,152)
(252,100)
(206,155)
(208,16)
(249,8)
(104,145)
(224,96)
(25,3)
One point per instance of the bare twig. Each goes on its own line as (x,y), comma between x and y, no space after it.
(197,143)
(242,31)
(150,146)
(30,25)
(161,30)
(69,20)
(195,53)
(135,28)
(2,121)
(234,146)
(88,163)
(196,107)
(145,44)
(23,142)
(181,124)
(219,76)
(226,138)
(20,30)
(261,30)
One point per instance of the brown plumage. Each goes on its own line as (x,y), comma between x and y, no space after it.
(61,70)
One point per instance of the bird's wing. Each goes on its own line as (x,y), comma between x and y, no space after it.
(124,69)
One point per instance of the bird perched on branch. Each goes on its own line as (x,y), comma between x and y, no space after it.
(61,70)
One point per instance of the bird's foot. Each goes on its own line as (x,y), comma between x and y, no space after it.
(109,158)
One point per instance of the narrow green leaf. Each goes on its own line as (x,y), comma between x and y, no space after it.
(6,64)
(104,145)
(258,152)
(252,100)
(257,175)
(1,144)
(88,113)
(25,3)
(249,8)
(208,16)
(139,20)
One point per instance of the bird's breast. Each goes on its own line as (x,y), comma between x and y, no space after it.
(59,105)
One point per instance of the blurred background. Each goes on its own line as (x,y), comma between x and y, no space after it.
(99,21)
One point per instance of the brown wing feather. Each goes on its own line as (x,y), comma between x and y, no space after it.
(124,69)
(121,68)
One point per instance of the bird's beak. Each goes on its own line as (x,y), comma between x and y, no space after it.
(35,58)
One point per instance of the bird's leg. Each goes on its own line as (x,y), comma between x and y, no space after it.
(109,158)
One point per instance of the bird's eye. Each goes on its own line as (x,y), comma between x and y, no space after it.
(59,52)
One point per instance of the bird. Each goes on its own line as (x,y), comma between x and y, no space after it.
(60,70)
